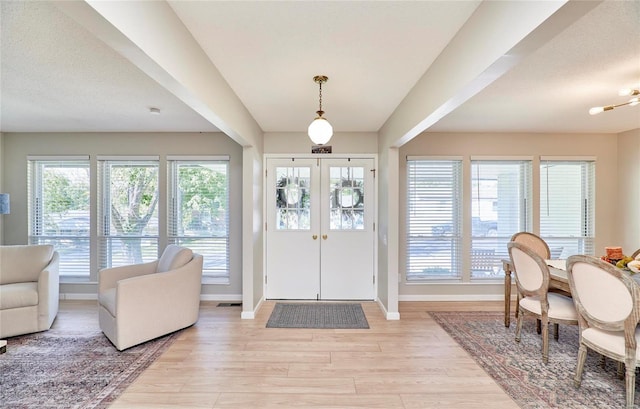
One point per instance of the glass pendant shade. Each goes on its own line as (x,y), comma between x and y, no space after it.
(320,131)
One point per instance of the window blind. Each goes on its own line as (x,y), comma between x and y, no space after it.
(567,206)
(59,209)
(198,212)
(500,206)
(433,219)
(127,211)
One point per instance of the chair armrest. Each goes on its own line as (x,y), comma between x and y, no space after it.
(49,291)
(109,277)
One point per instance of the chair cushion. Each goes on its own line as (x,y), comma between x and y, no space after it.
(560,307)
(107,299)
(174,257)
(18,295)
(610,340)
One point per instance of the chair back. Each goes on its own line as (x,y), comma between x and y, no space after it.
(636,253)
(532,273)
(533,241)
(173,257)
(605,296)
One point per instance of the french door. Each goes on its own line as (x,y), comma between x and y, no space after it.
(320,229)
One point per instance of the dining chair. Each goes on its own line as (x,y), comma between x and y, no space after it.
(537,244)
(636,253)
(532,280)
(606,299)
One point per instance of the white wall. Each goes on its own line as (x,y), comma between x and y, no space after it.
(18,145)
(628,221)
(601,146)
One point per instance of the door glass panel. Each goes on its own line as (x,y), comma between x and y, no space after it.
(293,198)
(346,198)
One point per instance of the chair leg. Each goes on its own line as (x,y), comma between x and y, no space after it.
(545,340)
(538,327)
(582,356)
(630,384)
(519,326)
(556,334)
(603,361)
(620,369)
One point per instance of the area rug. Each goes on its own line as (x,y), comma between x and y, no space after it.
(318,315)
(51,370)
(518,367)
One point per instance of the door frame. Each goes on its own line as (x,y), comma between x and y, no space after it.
(266,194)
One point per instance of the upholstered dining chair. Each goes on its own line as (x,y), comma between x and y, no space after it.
(532,280)
(636,253)
(534,242)
(540,246)
(606,299)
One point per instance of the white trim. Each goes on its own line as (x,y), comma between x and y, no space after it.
(127,158)
(249,315)
(434,158)
(221,297)
(501,158)
(78,296)
(390,316)
(568,158)
(199,157)
(59,158)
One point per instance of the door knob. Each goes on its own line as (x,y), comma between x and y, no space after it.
(324,237)
(315,236)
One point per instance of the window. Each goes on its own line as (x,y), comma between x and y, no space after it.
(433,219)
(127,210)
(500,207)
(567,206)
(59,210)
(198,215)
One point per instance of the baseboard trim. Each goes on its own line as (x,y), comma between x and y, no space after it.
(390,316)
(451,297)
(250,315)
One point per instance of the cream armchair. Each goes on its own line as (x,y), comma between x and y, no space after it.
(141,302)
(29,289)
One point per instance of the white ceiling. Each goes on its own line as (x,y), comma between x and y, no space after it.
(57,77)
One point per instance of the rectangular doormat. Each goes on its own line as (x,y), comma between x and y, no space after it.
(318,315)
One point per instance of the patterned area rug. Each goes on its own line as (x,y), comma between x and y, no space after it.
(50,370)
(519,370)
(318,315)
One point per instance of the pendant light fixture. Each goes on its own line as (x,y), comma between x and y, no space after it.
(320,130)
(623,92)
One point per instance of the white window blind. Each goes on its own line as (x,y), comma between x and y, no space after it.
(434,192)
(567,206)
(198,215)
(127,211)
(59,210)
(500,207)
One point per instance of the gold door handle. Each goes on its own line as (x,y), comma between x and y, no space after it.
(315,236)
(324,237)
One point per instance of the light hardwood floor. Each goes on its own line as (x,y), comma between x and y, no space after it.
(226,362)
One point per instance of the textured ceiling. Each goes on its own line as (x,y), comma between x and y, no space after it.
(57,77)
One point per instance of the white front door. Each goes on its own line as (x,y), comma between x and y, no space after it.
(320,221)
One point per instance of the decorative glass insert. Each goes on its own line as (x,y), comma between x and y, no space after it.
(293,198)
(346,193)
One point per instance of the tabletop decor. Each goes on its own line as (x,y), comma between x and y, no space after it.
(615,256)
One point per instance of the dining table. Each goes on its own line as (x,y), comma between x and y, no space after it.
(558,279)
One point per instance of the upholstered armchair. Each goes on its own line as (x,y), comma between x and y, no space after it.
(29,289)
(140,302)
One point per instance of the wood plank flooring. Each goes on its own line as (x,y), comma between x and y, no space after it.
(226,362)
